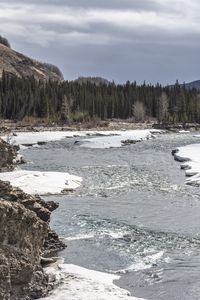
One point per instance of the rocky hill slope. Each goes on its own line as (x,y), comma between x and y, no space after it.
(20,65)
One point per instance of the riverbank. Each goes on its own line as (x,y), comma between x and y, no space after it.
(11,126)
(7,126)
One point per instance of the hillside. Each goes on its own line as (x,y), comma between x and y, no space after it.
(193,85)
(22,66)
(189,85)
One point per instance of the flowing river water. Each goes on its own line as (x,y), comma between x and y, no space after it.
(133,214)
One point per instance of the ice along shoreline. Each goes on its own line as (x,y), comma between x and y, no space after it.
(189,156)
(28,139)
(79,283)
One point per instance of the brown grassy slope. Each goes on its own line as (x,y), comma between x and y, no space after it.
(22,66)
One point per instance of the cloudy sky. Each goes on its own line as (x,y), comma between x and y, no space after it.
(152,40)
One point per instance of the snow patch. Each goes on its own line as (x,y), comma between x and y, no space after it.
(32,138)
(190,155)
(82,284)
(42,183)
(184,131)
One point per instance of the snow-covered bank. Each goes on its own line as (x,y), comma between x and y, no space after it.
(32,138)
(106,138)
(82,284)
(35,182)
(190,156)
(120,139)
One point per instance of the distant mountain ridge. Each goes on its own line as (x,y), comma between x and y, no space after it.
(193,85)
(189,85)
(15,63)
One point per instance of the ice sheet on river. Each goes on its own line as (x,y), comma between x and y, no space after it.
(103,139)
(119,139)
(32,138)
(82,284)
(190,155)
(35,182)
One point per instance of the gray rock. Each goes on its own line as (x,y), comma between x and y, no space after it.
(25,235)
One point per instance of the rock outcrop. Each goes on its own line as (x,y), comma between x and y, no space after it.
(25,237)
(8,155)
(21,240)
(20,65)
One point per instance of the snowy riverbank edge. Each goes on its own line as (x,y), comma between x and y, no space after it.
(42,183)
(190,157)
(27,139)
(78,283)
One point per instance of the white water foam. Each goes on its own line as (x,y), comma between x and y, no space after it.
(82,284)
(101,233)
(79,237)
(143,263)
(115,234)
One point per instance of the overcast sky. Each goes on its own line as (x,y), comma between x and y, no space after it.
(151,40)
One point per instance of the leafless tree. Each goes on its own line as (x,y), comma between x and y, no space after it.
(163,105)
(139,111)
(66,108)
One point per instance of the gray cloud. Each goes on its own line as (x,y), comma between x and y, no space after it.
(109,4)
(150,40)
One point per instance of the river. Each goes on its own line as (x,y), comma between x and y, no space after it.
(133,214)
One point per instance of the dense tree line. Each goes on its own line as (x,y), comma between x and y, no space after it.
(70,101)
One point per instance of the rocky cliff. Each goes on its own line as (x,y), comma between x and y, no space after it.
(20,65)
(25,237)
(8,156)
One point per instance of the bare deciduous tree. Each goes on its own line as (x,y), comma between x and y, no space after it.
(139,111)
(163,104)
(66,108)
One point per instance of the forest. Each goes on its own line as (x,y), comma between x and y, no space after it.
(72,101)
